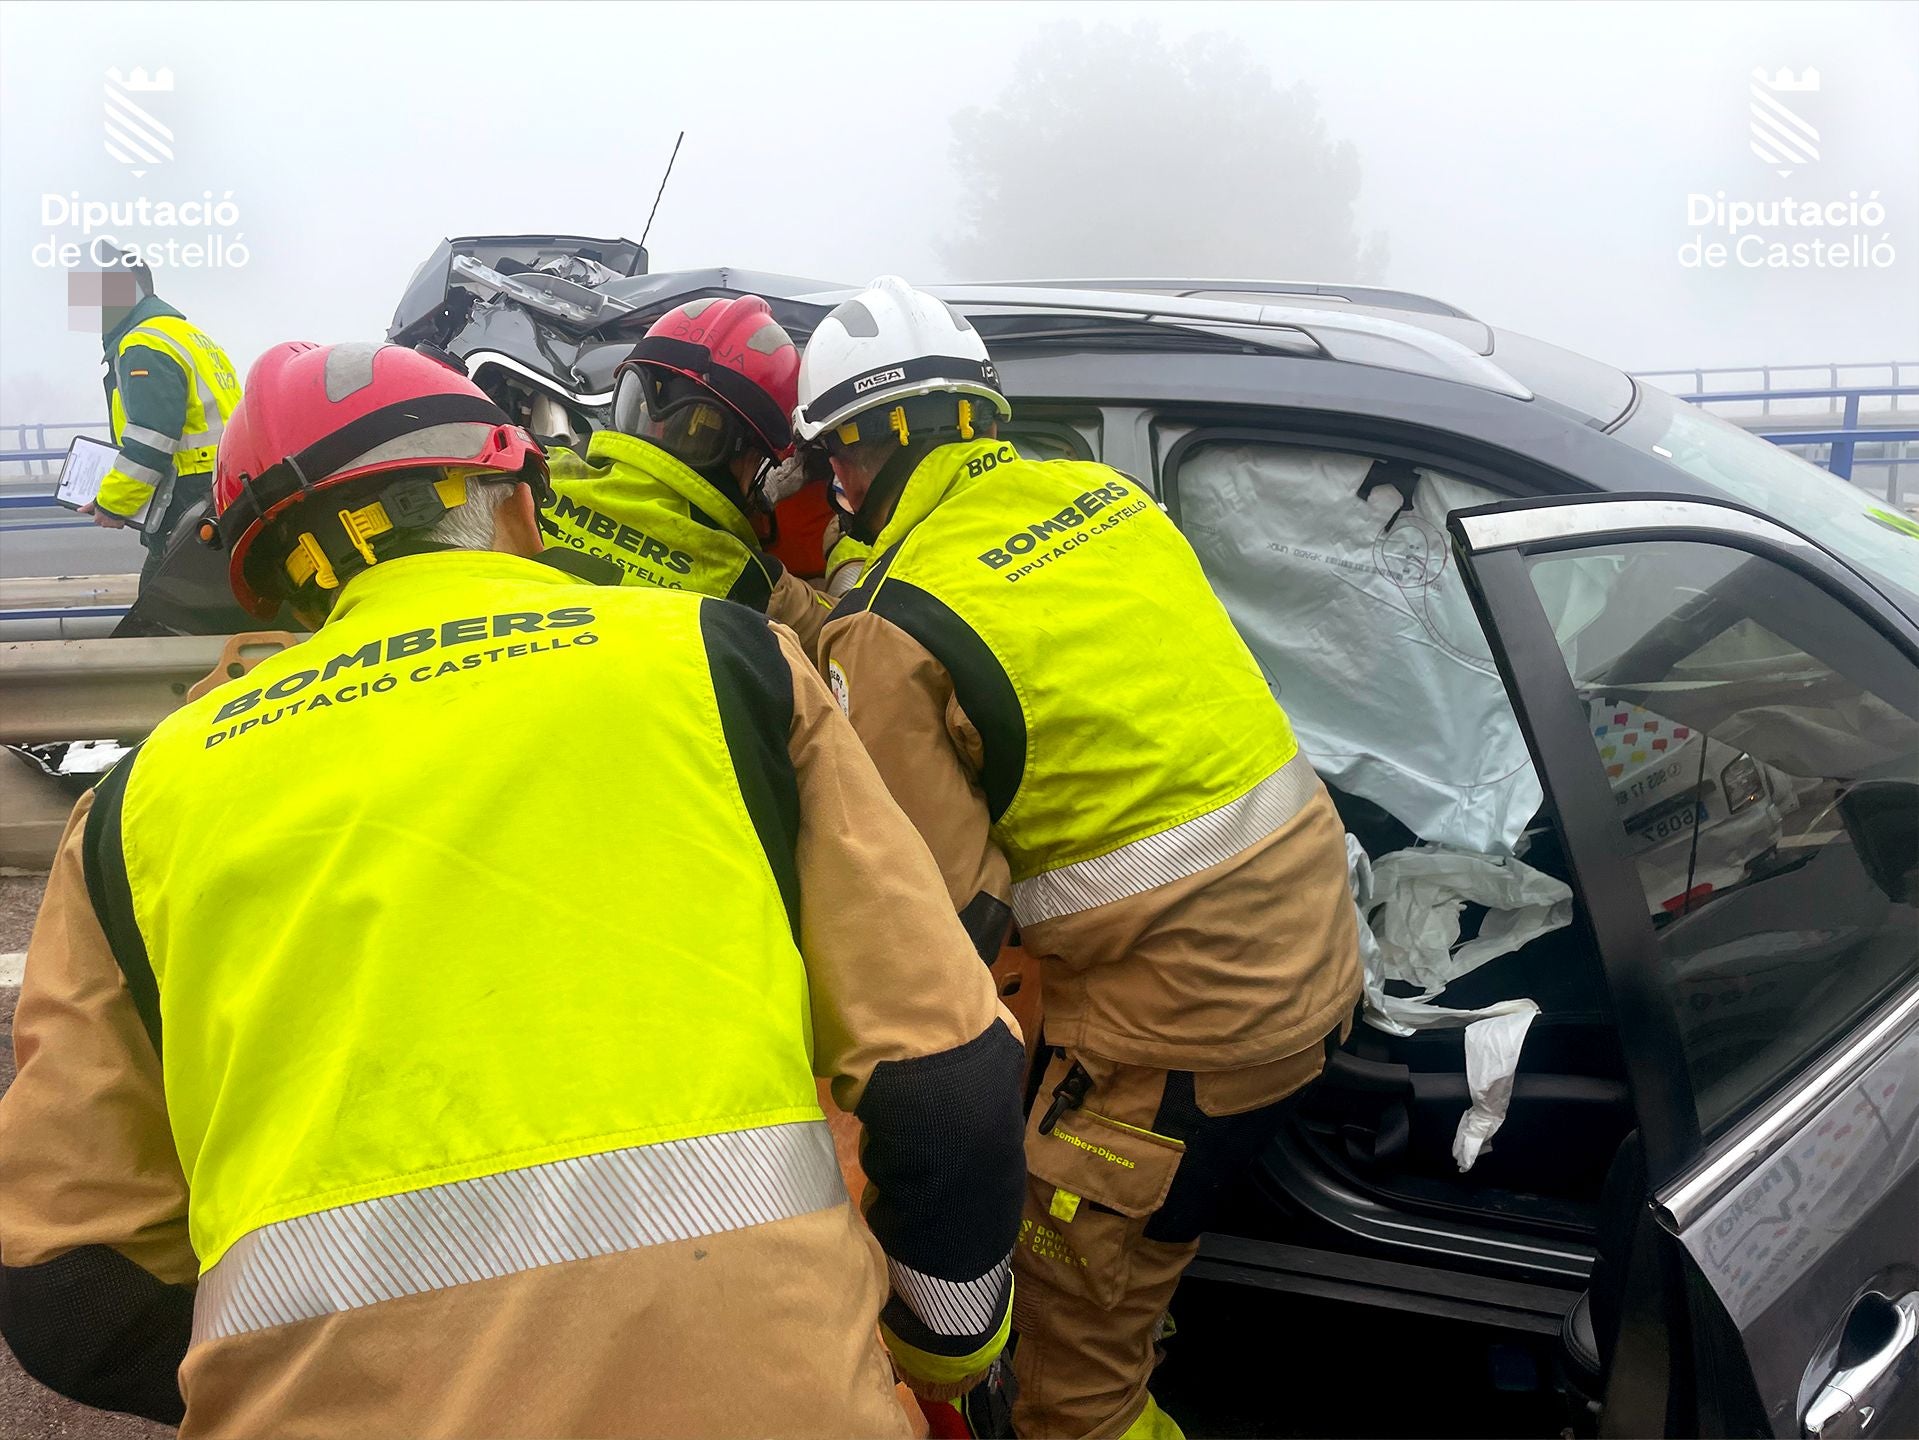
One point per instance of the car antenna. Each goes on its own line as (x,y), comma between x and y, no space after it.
(661,191)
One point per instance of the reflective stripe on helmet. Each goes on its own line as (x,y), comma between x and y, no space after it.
(921,375)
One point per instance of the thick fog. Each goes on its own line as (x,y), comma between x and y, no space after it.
(1532,164)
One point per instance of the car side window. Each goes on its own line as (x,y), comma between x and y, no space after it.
(1047,441)
(1761,740)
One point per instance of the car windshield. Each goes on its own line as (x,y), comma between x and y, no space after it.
(1857,526)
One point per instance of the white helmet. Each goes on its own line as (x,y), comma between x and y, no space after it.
(888,344)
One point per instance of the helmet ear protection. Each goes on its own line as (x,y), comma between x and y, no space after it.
(942,416)
(336,542)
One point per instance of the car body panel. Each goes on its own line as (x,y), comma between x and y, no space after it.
(1816,1229)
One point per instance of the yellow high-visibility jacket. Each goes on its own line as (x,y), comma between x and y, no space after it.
(171,390)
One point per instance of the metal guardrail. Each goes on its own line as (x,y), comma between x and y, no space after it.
(1893,371)
(64,690)
(114,689)
(31,446)
(104,689)
(1845,438)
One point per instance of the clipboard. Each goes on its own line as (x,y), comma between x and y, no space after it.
(87,464)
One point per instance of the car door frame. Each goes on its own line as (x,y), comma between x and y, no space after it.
(1689,1175)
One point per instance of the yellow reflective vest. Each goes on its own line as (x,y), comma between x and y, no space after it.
(350,899)
(660,521)
(213,393)
(1129,737)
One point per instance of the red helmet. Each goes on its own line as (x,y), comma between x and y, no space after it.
(730,350)
(316,417)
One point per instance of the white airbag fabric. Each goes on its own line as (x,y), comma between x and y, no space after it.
(1495,1033)
(1364,628)
(1419,894)
(1492,1060)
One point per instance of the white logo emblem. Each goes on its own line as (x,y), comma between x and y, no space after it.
(836,682)
(1780,135)
(134,135)
(867,382)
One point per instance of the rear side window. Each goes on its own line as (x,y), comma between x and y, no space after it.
(1761,741)
(1050,439)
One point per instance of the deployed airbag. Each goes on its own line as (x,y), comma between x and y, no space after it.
(1364,628)
(1409,904)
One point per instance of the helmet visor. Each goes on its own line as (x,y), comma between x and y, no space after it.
(678,414)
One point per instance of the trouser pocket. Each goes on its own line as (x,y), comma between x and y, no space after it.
(1227,1119)
(1093,1180)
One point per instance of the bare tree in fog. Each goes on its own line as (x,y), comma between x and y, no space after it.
(1112,152)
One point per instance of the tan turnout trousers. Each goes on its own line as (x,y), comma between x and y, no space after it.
(1116,1196)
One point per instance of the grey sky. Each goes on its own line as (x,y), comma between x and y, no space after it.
(1529,163)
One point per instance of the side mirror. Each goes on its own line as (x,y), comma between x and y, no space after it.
(1882,818)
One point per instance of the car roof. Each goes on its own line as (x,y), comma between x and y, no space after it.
(1354,324)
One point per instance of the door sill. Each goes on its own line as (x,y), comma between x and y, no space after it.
(1510,1305)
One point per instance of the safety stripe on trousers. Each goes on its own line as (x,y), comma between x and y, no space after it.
(961,1310)
(480,1229)
(1185,849)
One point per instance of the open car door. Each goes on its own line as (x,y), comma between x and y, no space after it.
(1726,721)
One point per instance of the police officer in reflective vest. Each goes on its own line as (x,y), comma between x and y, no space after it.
(419,1035)
(1060,704)
(170,391)
(701,415)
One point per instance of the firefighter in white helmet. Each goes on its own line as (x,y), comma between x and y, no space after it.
(1058,701)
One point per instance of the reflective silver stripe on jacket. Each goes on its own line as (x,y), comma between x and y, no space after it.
(845,578)
(496,1225)
(961,1310)
(1156,860)
(153,439)
(145,474)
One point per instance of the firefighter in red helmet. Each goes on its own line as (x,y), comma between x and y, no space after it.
(420,1035)
(701,417)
